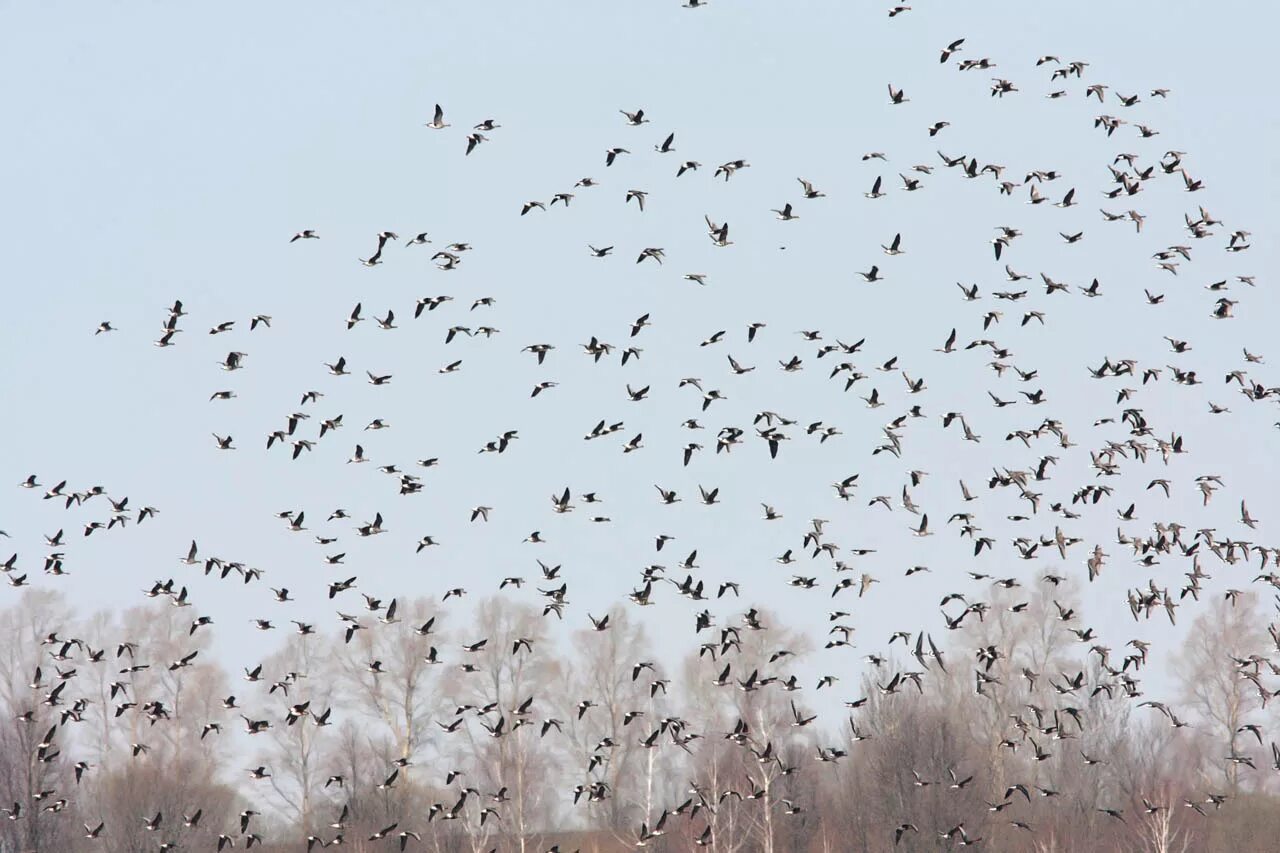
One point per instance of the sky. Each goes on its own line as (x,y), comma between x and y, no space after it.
(160,152)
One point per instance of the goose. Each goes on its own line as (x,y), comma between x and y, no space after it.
(233,361)
(809,191)
(719,233)
(437,120)
(950,49)
(730,168)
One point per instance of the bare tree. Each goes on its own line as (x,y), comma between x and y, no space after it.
(509,756)
(384,672)
(295,750)
(169,796)
(1157,828)
(622,738)
(36,778)
(1218,667)
(757,717)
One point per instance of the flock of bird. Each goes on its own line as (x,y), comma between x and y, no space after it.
(1121,444)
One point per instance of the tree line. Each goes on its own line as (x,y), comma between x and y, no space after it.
(122,733)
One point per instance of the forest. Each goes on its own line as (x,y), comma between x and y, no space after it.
(123,733)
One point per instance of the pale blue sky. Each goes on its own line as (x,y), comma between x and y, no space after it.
(159,152)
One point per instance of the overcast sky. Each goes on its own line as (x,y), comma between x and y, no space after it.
(157,152)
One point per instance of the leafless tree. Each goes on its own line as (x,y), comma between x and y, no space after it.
(295,751)
(1219,667)
(627,734)
(508,757)
(30,709)
(383,671)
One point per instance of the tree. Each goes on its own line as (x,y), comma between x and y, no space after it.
(618,674)
(37,786)
(509,757)
(1218,667)
(295,751)
(384,672)
(757,715)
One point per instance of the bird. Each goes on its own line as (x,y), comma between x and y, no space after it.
(951,49)
(809,191)
(1098,417)
(437,120)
